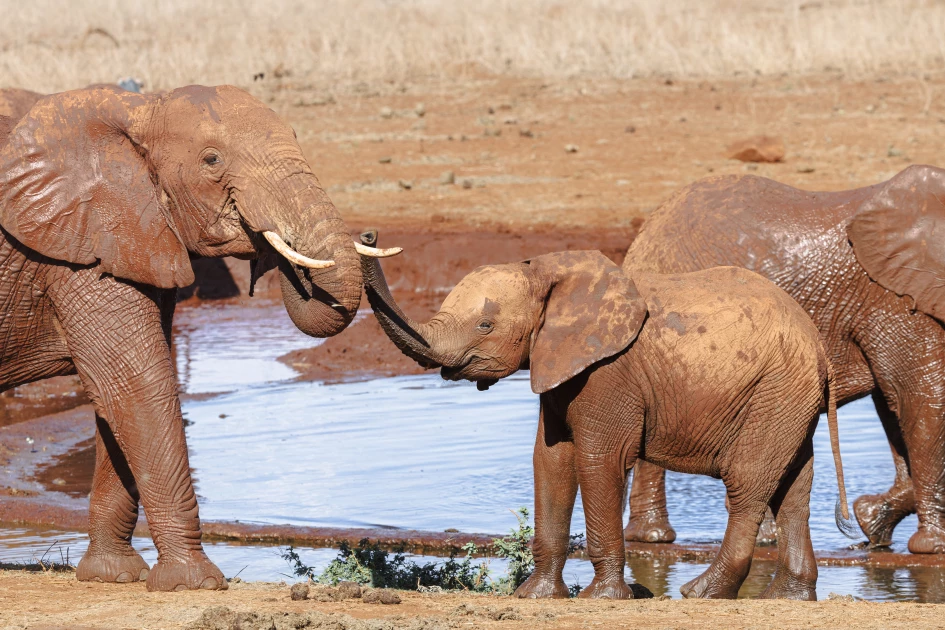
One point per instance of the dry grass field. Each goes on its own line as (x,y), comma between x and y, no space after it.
(51,45)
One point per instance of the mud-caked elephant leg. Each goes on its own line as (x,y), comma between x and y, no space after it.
(603,481)
(113,513)
(555,490)
(879,514)
(796,574)
(649,519)
(122,356)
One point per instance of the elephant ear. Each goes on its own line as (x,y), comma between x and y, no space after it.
(76,186)
(592,311)
(898,235)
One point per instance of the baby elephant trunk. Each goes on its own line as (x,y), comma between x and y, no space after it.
(409,336)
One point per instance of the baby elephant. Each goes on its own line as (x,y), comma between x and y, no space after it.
(717,372)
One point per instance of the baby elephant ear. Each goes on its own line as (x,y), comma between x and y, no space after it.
(75,185)
(592,311)
(898,235)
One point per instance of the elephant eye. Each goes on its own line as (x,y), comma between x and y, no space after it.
(211,159)
(484,326)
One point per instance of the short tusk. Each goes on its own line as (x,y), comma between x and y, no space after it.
(374,252)
(293,256)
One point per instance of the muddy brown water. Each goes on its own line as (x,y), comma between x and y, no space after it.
(418,452)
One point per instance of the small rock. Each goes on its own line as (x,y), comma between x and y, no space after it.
(419,110)
(351,590)
(526,133)
(751,166)
(327,594)
(870,109)
(448,178)
(380,596)
(570,148)
(385,160)
(805,168)
(757,149)
(511,120)
(893,152)
(387,112)
(467,183)
(492,133)
(682,119)
(640,592)
(223,415)
(299,591)
(629,129)
(59,481)
(406,184)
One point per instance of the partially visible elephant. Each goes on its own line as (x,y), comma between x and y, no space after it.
(868,265)
(717,373)
(15,102)
(105,197)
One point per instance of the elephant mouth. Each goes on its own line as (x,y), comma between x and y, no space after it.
(460,372)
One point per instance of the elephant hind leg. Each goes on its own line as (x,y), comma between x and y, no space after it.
(649,519)
(113,513)
(796,574)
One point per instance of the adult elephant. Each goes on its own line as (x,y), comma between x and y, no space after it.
(868,265)
(105,197)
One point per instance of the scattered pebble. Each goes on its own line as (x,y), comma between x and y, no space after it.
(406,184)
(387,112)
(492,133)
(751,166)
(893,152)
(870,109)
(299,591)
(805,168)
(467,183)
(629,129)
(419,110)
(757,149)
(59,481)
(526,133)
(380,596)
(447,178)
(570,148)
(385,160)
(511,120)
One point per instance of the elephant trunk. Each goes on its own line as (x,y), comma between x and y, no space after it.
(295,215)
(409,336)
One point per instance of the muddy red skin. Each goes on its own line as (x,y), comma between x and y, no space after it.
(717,372)
(868,265)
(105,196)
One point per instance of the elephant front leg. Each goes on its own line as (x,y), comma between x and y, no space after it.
(649,519)
(878,514)
(555,490)
(603,481)
(114,330)
(113,513)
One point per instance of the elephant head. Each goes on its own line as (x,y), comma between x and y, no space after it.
(138,184)
(556,315)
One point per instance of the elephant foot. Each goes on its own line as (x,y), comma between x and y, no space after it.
(927,540)
(708,586)
(649,527)
(112,567)
(193,572)
(607,589)
(878,517)
(767,532)
(785,586)
(542,587)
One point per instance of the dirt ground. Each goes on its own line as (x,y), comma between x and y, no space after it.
(495,170)
(57,601)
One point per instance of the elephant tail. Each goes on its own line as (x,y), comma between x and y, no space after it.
(842,511)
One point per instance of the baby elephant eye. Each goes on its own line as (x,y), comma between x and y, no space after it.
(211,159)
(484,326)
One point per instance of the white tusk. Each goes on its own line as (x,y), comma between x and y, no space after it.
(293,256)
(373,252)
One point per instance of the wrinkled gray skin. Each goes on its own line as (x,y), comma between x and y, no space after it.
(105,196)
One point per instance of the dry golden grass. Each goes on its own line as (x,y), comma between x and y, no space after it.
(50,45)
